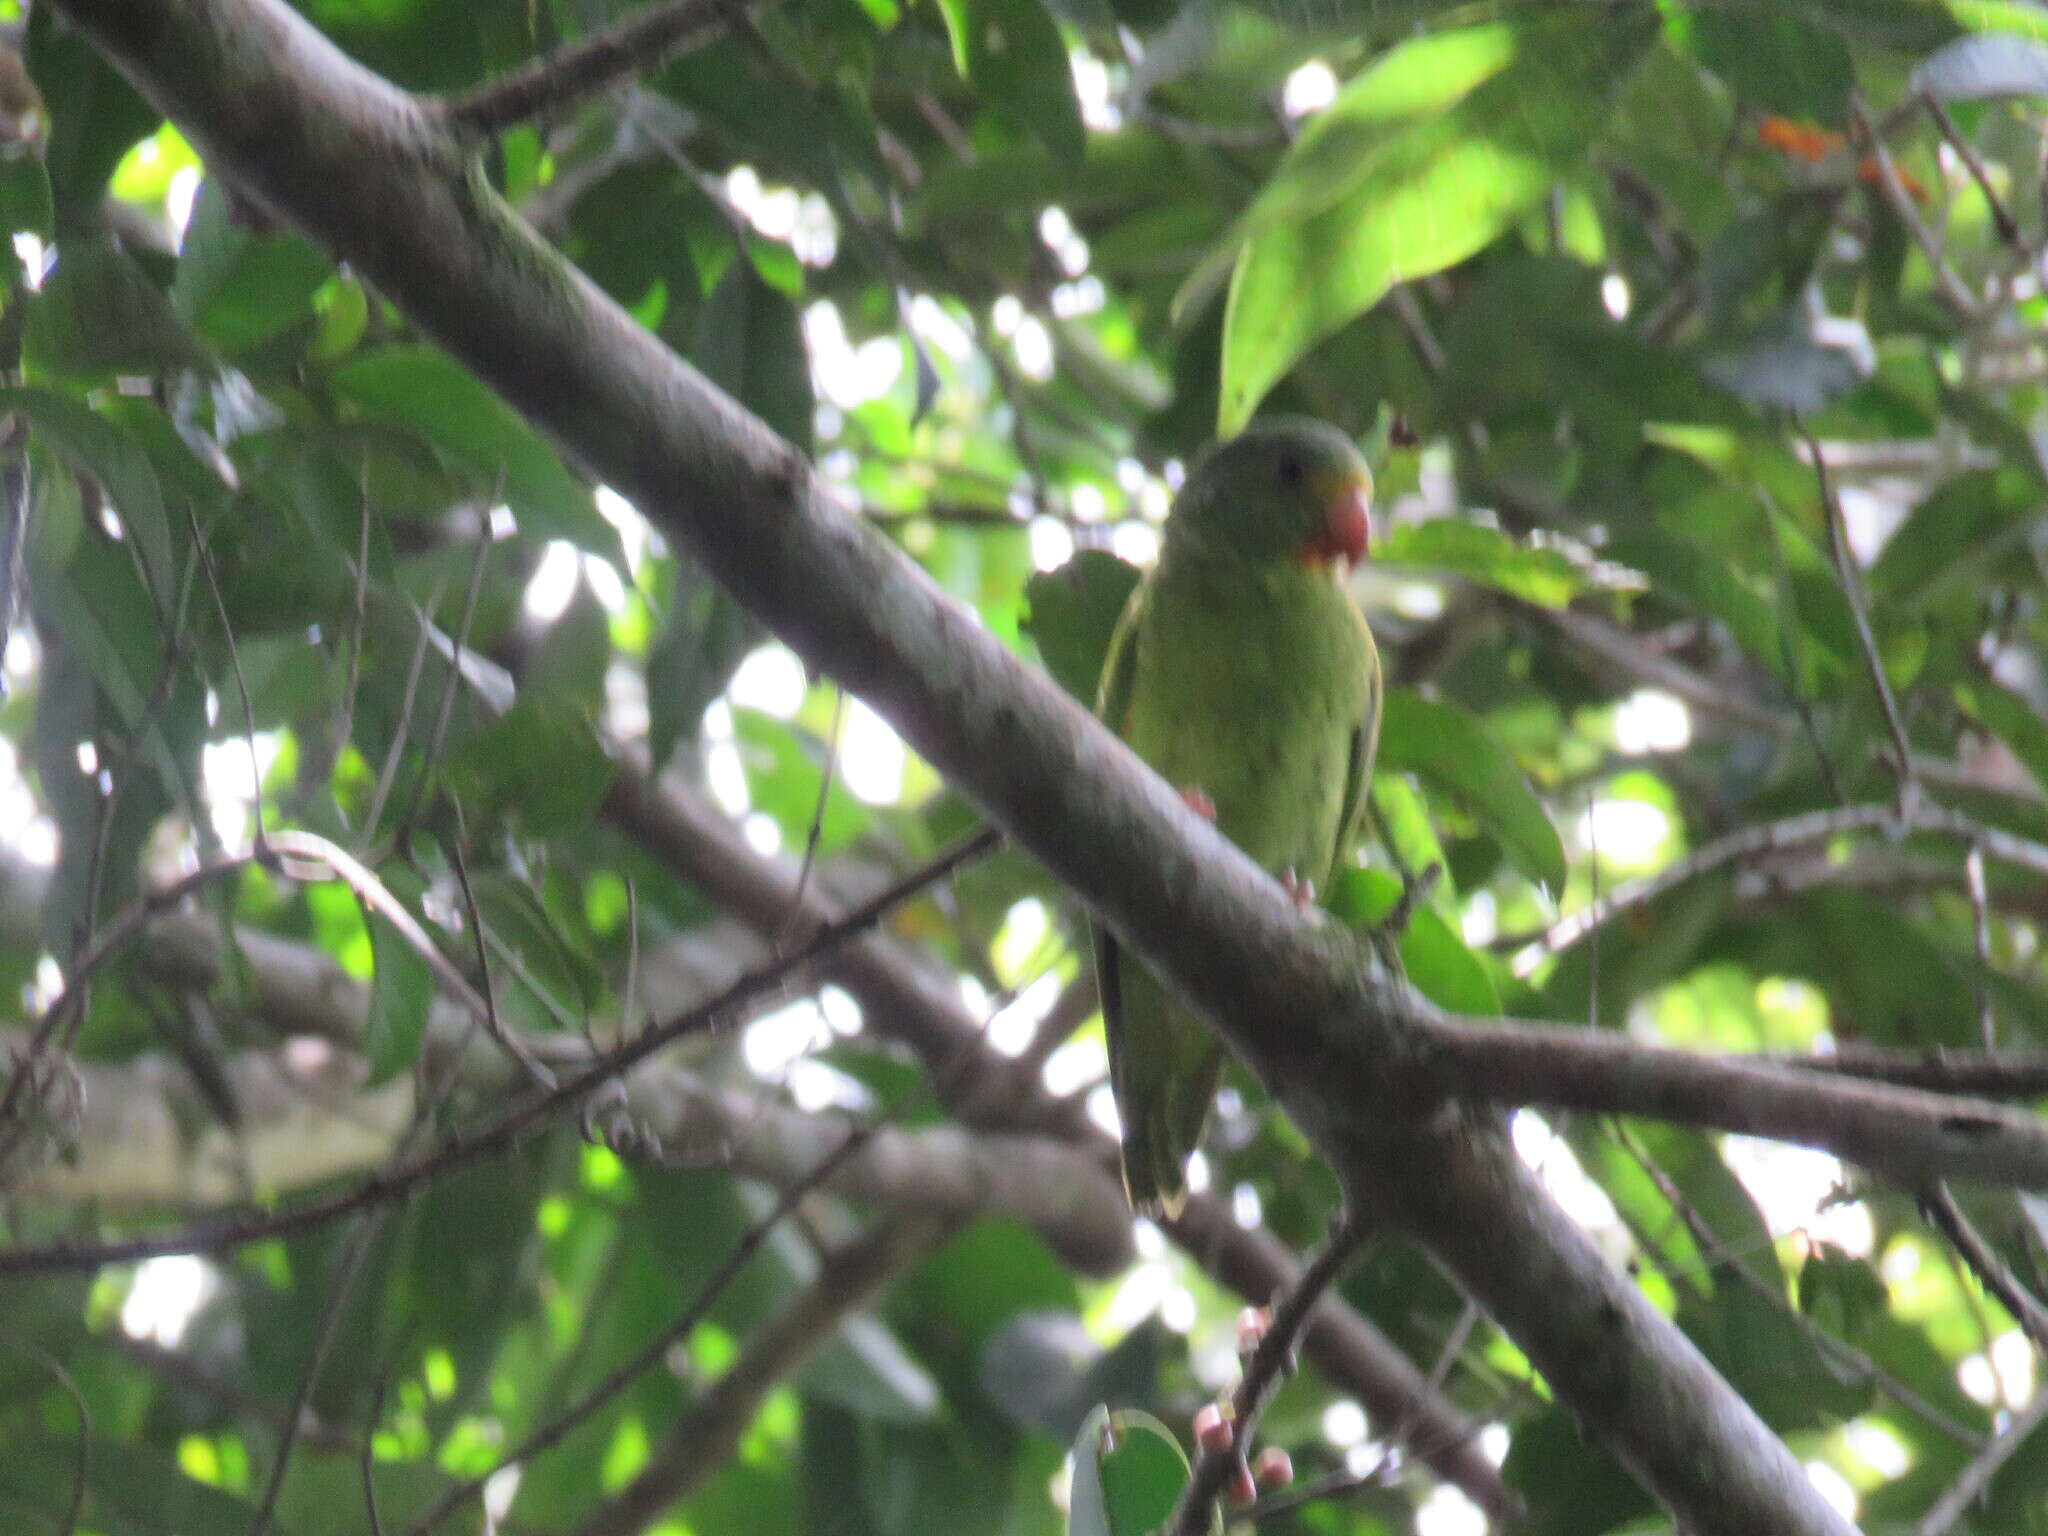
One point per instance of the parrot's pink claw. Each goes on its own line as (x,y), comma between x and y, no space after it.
(1303,891)
(1199,803)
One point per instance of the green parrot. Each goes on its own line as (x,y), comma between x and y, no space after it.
(1244,674)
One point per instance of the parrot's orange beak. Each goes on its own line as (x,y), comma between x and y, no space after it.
(1347,526)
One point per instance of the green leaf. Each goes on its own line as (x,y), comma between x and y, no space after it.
(25,206)
(1778,64)
(238,289)
(1840,1292)
(98,313)
(867,1370)
(2011,719)
(1537,575)
(784,775)
(1074,611)
(1449,749)
(1954,539)
(1432,953)
(703,640)
(401,985)
(428,391)
(1685,572)
(1128,1474)
(1435,187)
(1011,52)
(750,342)
(97,447)
(132,1489)
(540,765)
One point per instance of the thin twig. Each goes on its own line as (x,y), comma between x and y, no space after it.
(1947,1218)
(560,1426)
(2001,216)
(345,722)
(366,1460)
(1859,612)
(82,1465)
(1977,1473)
(453,683)
(402,729)
(1719,1256)
(376,896)
(1792,832)
(1949,288)
(465,1148)
(1270,1358)
(816,832)
(331,1308)
(642,42)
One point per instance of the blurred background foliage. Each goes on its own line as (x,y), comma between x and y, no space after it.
(1601,286)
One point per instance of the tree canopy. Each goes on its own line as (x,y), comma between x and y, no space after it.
(544,889)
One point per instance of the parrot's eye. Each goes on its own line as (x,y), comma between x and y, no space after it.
(1291,472)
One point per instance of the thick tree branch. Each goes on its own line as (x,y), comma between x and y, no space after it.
(371,174)
(1906,1133)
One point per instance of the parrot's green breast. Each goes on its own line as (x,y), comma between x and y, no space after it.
(1251,685)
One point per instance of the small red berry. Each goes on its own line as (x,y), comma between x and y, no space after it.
(1213,1430)
(1275,1468)
(1242,1490)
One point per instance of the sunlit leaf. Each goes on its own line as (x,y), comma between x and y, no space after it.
(1430,192)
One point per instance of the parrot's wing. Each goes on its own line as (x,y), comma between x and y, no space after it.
(1365,741)
(1120,665)
(1163,1072)
(1113,708)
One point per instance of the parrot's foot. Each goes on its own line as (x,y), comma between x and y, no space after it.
(1199,803)
(1302,891)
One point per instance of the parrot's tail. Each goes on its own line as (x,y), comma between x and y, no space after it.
(1164,1067)
(1156,1148)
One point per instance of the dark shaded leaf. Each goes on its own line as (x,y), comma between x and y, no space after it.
(1074,611)
(401,985)
(1452,751)
(235,288)
(1011,52)
(424,389)
(541,765)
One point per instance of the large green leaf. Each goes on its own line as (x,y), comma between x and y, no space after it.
(2011,719)
(1421,189)
(95,445)
(1011,51)
(237,288)
(1451,750)
(1128,1474)
(1534,573)
(426,390)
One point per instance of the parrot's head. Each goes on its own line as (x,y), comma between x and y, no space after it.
(1284,488)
